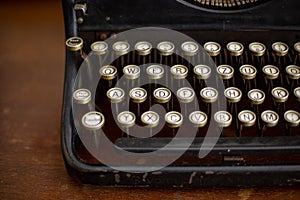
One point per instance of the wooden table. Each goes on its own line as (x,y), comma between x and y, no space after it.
(31,82)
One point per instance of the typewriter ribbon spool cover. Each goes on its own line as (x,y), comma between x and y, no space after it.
(208,96)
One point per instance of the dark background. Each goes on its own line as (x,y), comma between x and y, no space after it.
(31,84)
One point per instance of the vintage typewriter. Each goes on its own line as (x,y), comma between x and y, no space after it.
(182,93)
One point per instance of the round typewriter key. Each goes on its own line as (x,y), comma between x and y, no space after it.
(292,118)
(150,118)
(212,48)
(185,94)
(297,93)
(115,95)
(99,47)
(280,49)
(297,47)
(280,94)
(74,43)
(174,119)
(248,71)
(93,120)
(233,94)
(225,71)
(235,48)
(257,48)
(82,96)
(223,118)
(155,71)
(121,48)
(270,118)
(108,72)
(126,119)
(189,48)
(143,48)
(293,72)
(179,71)
(256,96)
(270,72)
(162,95)
(198,118)
(209,94)
(202,72)
(131,71)
(247,118)
(166,48)
(138,95)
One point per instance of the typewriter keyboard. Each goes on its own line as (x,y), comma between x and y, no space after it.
(241,90)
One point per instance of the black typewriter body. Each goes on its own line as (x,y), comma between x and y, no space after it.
(260,154)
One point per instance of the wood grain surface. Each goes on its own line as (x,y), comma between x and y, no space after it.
(31,83)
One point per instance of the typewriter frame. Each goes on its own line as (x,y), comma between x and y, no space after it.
(171,176)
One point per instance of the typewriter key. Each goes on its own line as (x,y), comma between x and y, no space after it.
(115,95)
(155,71)
(108,72)
(174,119)
(233,94)
(99,47)
(185,94)
(82,96)
(165,48)
(280,94)
(143,48)
(138,95)
(247,118)
(202,72)
(150,119)
(293,72)
(257,49)
(74,43)
(189,48)
(292,118)
(256,96)
(246,126)
(223,119)
(270,118)
(270,72)
(198,118)
(297,48)
(121,48)
(280,48)
(131,71)
(235,48)
(209,94)
(225,71)
(248,71)
(162,95)
(126,119)
(212,48)
(297,93)
(179,71)
(93,120)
